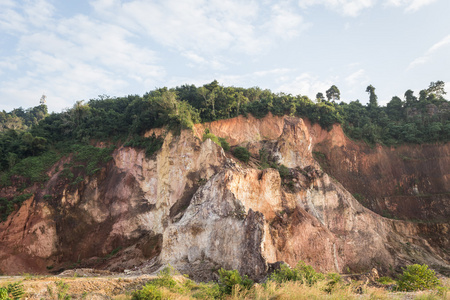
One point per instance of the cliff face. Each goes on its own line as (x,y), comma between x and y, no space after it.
(197,208)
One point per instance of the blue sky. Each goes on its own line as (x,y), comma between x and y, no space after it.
(76,50)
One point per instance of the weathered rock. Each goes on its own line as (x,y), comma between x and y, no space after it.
(196,208)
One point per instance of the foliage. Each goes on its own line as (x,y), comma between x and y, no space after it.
(242,154)
(7,207)
(152,290)
(284,171)
(150,144)
(222,142)
(32,168)
(386,280)
(148,292)
(12,291)
(417,277)
(62,291)
(333,280)
(92,156)
(302,272)
(228,280)
(225,145)
(212,137)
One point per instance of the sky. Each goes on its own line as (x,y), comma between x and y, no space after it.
(73,50)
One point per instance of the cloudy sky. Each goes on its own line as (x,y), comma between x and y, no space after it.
(78,49)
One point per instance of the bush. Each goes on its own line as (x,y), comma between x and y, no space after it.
(32,168)
(417,277)
(229,279)
(212,137)
(242,154)
(284,171)
(302,272)
(150,144)
(12,291)
(385,280)
(153,289)
(148,292)
(225,145)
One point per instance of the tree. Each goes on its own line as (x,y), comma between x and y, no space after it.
(333,93)
(320,97)
(394,109)
(373,98)
(437,88)
(410,98)
(240,99)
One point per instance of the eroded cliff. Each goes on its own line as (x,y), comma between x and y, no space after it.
(196,207)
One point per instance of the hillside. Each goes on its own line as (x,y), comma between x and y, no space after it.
(209,177)
(194,206)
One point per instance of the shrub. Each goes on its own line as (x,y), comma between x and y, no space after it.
(148,292)
(225,145)
(284,171)
(32,168)
(229,279)
(150,144)
(242,154)
(152,290)
(417,277)
(385,280)
(302,272)
(212,137)
(12,291)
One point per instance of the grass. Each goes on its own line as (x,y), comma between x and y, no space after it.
(301,282)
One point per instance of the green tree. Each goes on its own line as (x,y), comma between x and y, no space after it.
(333,93)
(320,97)
(394,109)
(410,98)
(373,98)
(417,277)
(437,88)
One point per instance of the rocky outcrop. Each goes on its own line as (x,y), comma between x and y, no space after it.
(197,208)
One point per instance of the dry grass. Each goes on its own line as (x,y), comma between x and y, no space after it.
(269,291)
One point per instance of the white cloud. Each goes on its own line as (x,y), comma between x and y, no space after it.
(411,5)
(305,84)
(357,78)
(74,57)
(430,52)
(210,29)
(440,44)
(350,8)
(10,20)
(277,71)
(285,23)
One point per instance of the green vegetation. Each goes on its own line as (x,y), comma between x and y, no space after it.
(242,154)
(165,284)
(229,280)
(222,142)
(7,207)
(12,291)
(302,272)
(149,144)
(62,291)
(301,282)
(417,277)
(386,280)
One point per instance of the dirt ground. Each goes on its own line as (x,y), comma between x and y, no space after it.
(79,284)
